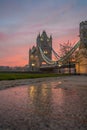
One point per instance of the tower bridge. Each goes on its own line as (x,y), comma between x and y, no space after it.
(40,56)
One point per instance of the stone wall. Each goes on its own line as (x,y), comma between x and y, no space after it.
(81,66)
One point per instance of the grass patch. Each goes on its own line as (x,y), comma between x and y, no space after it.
(14,76)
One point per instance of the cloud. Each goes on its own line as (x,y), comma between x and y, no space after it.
(21,21)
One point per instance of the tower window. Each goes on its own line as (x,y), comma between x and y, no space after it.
(45,52)
(41,39)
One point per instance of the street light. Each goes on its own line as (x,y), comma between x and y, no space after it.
(59,68)
(32,65)
(59,65)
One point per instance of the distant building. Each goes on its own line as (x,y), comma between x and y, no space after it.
(35,58)
(5,68)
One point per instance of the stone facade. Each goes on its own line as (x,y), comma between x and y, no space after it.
(35,58)
(81,57)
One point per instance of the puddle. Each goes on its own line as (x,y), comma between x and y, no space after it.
(42,106)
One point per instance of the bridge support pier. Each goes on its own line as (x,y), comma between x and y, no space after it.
(81,68)
(81,57)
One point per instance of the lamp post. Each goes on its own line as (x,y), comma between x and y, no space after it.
(69,67)
(59,68)
(32,66)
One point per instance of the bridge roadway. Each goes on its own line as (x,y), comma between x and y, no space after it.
(53,67)
(48,67)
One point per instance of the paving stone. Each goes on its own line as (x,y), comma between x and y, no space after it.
(44,104)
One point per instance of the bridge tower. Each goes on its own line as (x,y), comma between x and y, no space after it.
(83,34)
(81,58)
(35,58)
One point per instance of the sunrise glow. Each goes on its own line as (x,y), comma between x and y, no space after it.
(22,20)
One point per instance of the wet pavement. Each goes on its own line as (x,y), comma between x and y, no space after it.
(52,105)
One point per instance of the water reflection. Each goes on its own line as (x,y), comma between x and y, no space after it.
(42,105)
(41,98)
(58,96)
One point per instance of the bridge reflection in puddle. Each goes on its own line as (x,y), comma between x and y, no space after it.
(41,106)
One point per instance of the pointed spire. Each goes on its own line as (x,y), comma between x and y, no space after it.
(39,34)
(44,34)
(50,36)
(38,37)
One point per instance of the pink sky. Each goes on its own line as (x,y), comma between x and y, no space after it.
(21,22)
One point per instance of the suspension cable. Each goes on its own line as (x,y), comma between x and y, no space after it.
(70,52)
(46,59)
(49,61)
